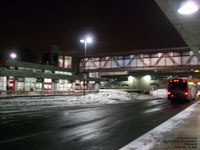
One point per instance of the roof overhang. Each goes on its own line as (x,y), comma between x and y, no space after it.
(188,26)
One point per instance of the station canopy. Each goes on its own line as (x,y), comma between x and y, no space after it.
(186,20)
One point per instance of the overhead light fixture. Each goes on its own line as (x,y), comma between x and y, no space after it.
(130,78)
(188,7)
(196,70)
(147,77)
(13,55)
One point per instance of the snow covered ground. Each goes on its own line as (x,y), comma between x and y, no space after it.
(161,93)
(23,104)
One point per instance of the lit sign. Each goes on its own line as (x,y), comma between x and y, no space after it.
(196,70)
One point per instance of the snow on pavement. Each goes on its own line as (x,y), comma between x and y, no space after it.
(22,104)
(154,138)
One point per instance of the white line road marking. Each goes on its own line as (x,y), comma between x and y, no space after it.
(24,137)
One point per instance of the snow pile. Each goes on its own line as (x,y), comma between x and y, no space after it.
(37,103)
(161,93)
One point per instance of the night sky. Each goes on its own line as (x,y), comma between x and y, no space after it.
(31,27)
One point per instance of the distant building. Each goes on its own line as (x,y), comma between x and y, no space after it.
(58,75)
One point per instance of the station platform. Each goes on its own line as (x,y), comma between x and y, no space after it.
(181,132)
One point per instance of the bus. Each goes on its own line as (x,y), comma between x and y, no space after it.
(180,89)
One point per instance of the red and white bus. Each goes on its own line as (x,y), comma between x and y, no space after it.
(180,89)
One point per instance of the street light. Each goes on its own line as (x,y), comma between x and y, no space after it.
(188,7)
(85,41)
(13,55)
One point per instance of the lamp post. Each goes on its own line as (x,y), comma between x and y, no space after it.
(85,42)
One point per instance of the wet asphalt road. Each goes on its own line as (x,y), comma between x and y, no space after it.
(108,127)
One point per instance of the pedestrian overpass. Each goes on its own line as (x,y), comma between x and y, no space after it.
(153,61)
(142,69)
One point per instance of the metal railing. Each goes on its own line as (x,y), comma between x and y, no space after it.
(44,93)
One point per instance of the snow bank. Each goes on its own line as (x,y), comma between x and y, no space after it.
(161,93)
(37,103)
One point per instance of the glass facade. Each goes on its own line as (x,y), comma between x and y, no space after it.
(20,84)
(3,83)
(62,85)
(33,84)
(30,84)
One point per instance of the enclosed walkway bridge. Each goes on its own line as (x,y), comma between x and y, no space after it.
(155,61)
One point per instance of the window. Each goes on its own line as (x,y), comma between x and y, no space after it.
(47,71)
(62,85)
(38,86)
(94,74)
(132,56)
(3,83)
(185,53)
(30,84)
(146,55)
(60,61)
(47,80)
(67,73)
(176,54)
(63,72)
(96,59)
(154,55)
(25,69)
(127,57)
(82,60)
(119,57)
(103,58)
(20,79)
(68,62)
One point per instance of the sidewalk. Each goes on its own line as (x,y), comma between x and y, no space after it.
(187,137)
(181,132)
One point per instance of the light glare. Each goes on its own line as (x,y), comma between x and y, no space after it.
(82,41)
(89,40)
(130,78)
(188,8)
(13,55)
(147,77)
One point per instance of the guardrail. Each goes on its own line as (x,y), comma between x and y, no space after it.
(45,93)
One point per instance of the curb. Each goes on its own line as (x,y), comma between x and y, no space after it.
(155,136)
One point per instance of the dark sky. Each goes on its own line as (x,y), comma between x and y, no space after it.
(116,25)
